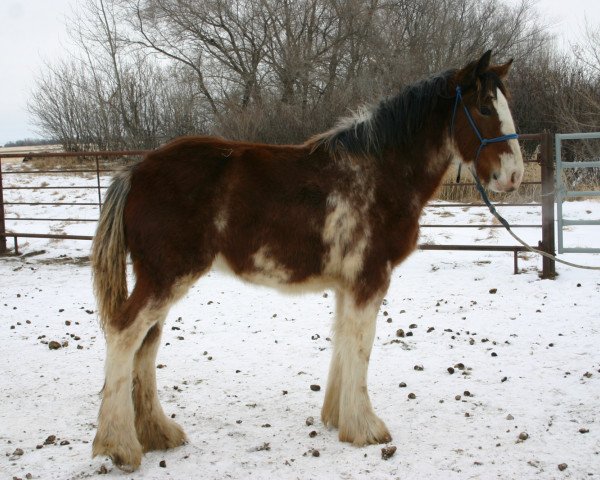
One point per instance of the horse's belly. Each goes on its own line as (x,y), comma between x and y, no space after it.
(265,271)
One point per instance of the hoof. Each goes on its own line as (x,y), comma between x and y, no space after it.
(160,435)
(126,456)
(125,467)
(365,430)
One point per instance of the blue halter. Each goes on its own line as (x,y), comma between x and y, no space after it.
(482,141)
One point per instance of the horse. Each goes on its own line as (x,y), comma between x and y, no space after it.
(337,212)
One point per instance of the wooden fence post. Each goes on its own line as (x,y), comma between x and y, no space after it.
(2,224)
(548,199)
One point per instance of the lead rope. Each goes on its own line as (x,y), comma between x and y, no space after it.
(506,225)
(482,143)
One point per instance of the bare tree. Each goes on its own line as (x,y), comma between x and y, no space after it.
(272,70)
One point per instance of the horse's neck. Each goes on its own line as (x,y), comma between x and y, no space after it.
(419,170)
(434,169)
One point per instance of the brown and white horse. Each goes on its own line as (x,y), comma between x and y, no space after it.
(339,211)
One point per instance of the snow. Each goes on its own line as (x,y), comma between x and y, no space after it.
(236,358)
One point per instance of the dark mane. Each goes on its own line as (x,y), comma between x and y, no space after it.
(391,123)
(395,121)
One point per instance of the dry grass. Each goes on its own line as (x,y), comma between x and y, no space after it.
(74,163)
(24,151)
(574,183)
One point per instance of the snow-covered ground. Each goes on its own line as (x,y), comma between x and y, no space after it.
(237,362)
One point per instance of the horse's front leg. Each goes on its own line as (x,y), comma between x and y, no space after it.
(347,404)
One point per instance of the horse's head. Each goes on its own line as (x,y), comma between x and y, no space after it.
(482,126)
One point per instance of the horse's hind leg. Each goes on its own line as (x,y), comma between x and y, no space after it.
(330,413)
(116,435)
(347,404)
(154,430)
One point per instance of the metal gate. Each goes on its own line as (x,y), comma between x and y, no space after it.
(563,194)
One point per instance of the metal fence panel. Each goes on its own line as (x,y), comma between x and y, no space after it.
(562,193)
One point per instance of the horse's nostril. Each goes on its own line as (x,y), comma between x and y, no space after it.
(513,177)
(495,176)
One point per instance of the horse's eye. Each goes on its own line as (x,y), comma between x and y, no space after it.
(485,110)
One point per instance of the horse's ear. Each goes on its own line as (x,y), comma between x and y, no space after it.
(502,70)
(484,63)
(468,75)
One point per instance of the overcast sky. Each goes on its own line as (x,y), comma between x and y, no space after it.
(35,31)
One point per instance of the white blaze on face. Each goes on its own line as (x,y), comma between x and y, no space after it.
(511,169)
